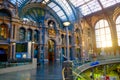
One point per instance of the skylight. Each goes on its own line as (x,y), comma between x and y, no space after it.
(61,7)
(66,7)
(90,6)
(19,2)
(107,3)
(58,10)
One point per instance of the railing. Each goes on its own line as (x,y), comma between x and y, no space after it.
(17,62)
(63,75)
(80,66)
(31,65)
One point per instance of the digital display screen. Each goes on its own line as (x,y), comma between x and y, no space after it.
(2,51)
(18,55)
(21,47)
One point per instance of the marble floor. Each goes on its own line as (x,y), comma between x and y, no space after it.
(46,71)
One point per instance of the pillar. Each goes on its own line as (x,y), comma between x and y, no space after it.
(42,42)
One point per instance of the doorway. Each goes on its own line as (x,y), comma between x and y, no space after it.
(51,50)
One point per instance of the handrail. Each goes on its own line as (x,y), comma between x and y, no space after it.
(63,76)
(78,75)
(86,66)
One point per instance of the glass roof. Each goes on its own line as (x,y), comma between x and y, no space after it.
(61,7)
(90,6)
(19,2)
(65,12)
(58,10)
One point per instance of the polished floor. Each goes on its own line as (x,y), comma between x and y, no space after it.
(46,71)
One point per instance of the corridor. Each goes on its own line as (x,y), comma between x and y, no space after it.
(46,71)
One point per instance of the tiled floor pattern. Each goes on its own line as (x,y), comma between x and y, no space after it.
(46,71)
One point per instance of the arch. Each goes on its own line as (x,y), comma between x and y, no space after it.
(116,13)
(51,50)
(5,12)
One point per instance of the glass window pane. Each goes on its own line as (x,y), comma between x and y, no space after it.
(66,7)
(102,38)
(118,1)
(56,8)
(118,36)
(104,44)
(98,38)
(97,32)
(101,23)
(108,37)
(94,6)
(106,23)
(63,18)
(118,27)
(51,5)
(118,20)
(60,13)
(107,30)
(102,31)
(109,44)
(85,10)
(107,3)
(97,26)
(98,44)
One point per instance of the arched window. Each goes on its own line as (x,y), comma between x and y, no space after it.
(118,29)
(3,31)
(103,35)
(22,34)
(70,40)
(62,36)
(36,36)
(29,35)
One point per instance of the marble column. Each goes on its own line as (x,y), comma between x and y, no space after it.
(67,43)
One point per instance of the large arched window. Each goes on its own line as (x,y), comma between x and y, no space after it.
(22,34)
(103,35)
(118,29)
(29,35)
(3,31)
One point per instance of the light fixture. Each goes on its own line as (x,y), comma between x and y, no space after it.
(67,23)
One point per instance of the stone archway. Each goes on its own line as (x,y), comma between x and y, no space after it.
(51,50)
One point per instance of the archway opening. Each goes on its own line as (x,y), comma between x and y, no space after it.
(51,50)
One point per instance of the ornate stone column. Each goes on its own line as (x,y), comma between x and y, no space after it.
(42,42)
